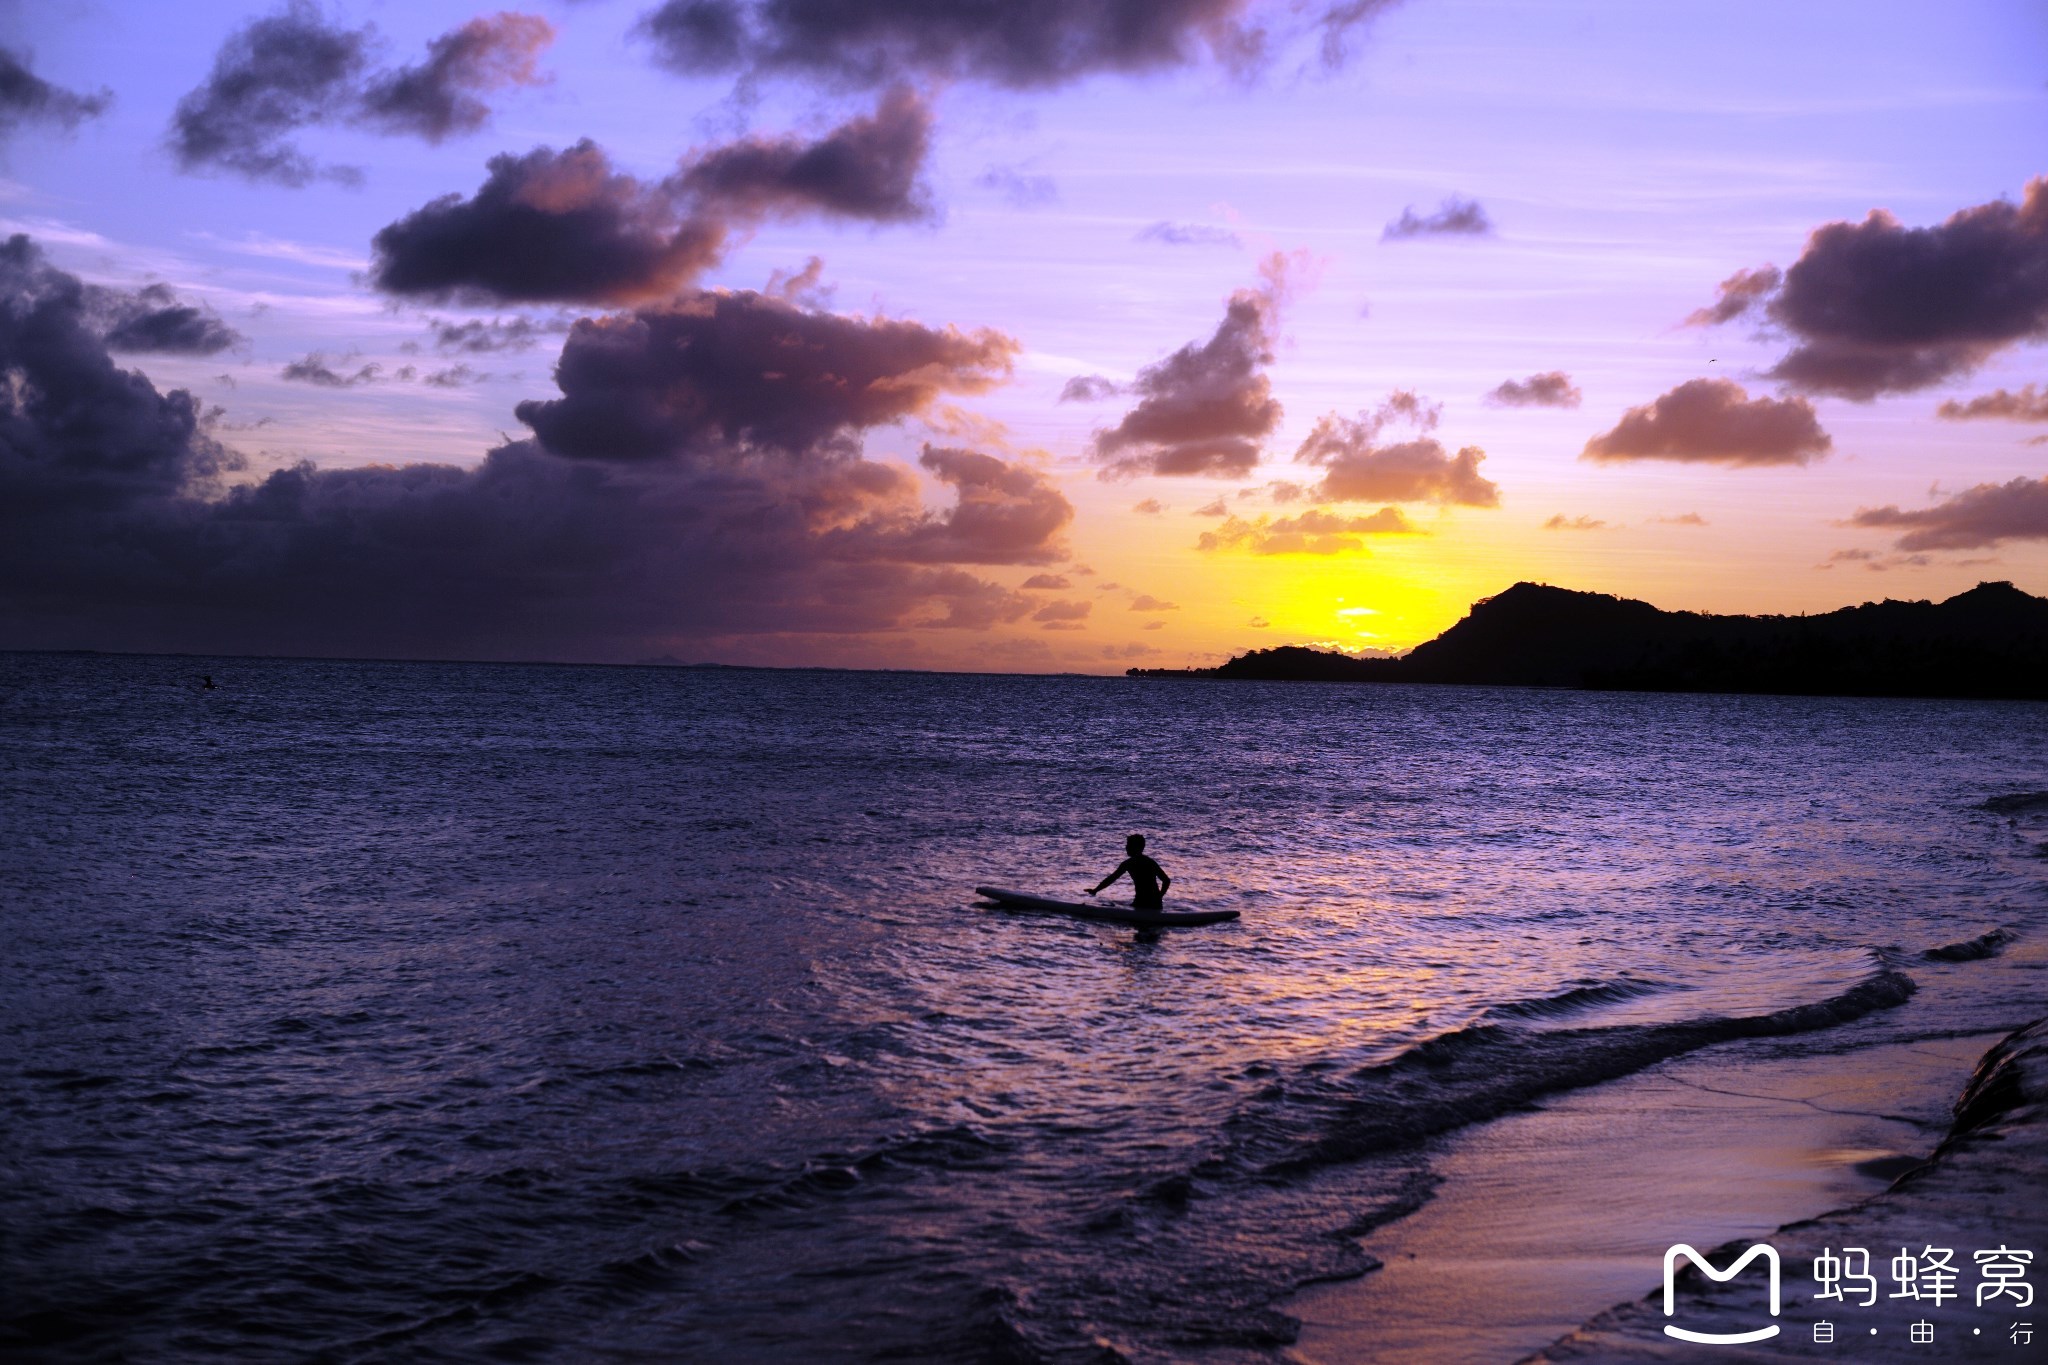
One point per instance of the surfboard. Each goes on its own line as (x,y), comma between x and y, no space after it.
(1115,914)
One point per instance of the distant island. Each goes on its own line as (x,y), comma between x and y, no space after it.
(1989,642)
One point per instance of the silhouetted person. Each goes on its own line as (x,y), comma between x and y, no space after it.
(1148,877)
(206,682)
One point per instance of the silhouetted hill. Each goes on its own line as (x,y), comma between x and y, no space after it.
(1991,641)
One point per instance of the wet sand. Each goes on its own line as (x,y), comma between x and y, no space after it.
(1548,1218)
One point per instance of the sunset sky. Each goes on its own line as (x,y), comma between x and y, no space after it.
(1014,337)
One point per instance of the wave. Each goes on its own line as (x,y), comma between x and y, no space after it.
(1586,995)
(1988,944)
(1486,1070)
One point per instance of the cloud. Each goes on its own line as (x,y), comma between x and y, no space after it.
(866,168)
(293,69)
(27,98)
(1989,514)
(548,226)
(1356,468)
(314,369)
(1259,623)
(1454,217)
(1088,388)
(1187,234)
(1048,582)
(485,336)
(1561,522)
(1714,421)
(272,76)
(1145,601)
(1741,293)
(439,97)
(1877,307)
(564,226)
(117,530)
(1205,408)
(1063,615)
(1682,519)
(454,377)
(1213,508)
(1018,188)
(1023,46)
(741,370)
(1150,507)
(2028,405)
(152,320)
(1551,389)
(1314,532)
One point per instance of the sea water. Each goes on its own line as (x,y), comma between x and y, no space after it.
(382,1011)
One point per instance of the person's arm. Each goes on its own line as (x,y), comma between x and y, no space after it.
(1121,868)
(1164,880)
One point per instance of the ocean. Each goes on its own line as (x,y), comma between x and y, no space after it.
(451,1012)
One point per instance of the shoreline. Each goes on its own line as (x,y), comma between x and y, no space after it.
(1550,1218)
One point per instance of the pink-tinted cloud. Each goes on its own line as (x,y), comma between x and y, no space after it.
(1988,514)
(439,97)
(1551,389)
(1715,421)
(2028,405)
(1205,408)
(1561,522)
(1741,293)
(1314,532)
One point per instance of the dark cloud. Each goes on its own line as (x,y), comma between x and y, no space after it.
(1743,292)
(866,168)
(27,98)
(1188,234)
(1145,601)
(272,76)
(294,69)
(1205,408)
(1048,582)
(1216,507)
(565,227)
(116,531)
(1019,189)
(1150,507)
(548,226)
(78,436)
(153,320)
(1715,421)
(1561,522)
(880,42)
(1989,514)
(1314,532)
(314,369)
(484,336)
(743,370)
(1454,217)
(454,377)
(1088,388)
(1358,467)
(439,97)
(1551,389)
(2028,405)
(1877,307)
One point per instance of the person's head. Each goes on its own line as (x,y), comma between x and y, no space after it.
(1135,845)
